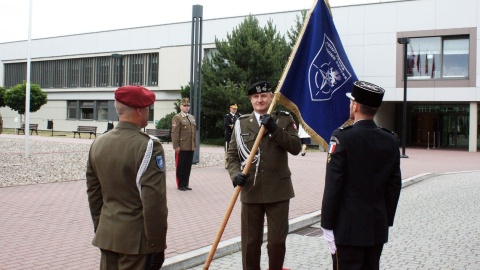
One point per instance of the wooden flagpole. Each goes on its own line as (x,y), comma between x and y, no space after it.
(236,192)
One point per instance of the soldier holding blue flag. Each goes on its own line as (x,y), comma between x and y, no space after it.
(267,188)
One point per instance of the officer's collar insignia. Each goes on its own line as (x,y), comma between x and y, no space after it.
(160,163)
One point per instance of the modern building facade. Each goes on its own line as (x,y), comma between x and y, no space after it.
(81,72)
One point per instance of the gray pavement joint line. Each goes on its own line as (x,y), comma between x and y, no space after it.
(227,247)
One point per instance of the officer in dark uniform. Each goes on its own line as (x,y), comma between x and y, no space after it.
(184,144)
(126,187)
(362,184)
(228,122)
(267,188)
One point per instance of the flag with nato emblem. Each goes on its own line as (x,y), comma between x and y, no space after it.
(318,76)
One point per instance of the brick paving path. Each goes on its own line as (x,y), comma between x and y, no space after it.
(47,226)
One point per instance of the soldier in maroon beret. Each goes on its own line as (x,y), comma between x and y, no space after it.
(126,187)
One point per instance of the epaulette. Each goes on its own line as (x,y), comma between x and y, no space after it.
(345,127)
(244,116)
(389,131)
(282,112)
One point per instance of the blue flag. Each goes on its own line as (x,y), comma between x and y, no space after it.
(319,75)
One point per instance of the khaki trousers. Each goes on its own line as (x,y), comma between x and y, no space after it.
(253,218)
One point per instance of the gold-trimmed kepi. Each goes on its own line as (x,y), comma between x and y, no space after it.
(367,94)
(234,106)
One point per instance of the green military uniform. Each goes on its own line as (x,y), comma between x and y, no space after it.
(129,215)
(269,187)
(183,136)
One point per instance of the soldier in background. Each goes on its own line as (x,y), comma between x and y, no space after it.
(267,188)
(184,144)
(228,122)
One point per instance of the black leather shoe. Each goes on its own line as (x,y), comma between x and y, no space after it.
(188,188)
(182,189)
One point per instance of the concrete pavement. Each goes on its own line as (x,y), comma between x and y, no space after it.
(47,226)
(437,226)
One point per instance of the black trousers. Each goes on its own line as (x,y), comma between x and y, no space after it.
(183,164)
(357,258)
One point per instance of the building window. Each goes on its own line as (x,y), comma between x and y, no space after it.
(72,109)
(86,110)
(136,69)
(151,112)
(438,57)
(102,71)
(102,110)
(455,58)
(86,72)
(152,69)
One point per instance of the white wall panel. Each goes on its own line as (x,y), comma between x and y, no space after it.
(380,18)
(456,14)
(379,59)
(415,16)
(174,67)
(455,94)
(420,94)
(356,56)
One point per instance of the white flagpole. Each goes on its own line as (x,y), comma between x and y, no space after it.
(27,97)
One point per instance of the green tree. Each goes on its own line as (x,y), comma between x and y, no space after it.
(15,97)
(295,29)
(249,54)
(2,96)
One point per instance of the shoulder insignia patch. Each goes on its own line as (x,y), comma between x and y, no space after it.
(160,163)
(331,147)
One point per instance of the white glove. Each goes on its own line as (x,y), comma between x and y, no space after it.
(328,235)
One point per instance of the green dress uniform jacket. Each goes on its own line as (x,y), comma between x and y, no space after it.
(125,221)
(273,182)
(184,132)
(362,184)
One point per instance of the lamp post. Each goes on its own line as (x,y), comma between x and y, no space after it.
(120,67)
(404,41)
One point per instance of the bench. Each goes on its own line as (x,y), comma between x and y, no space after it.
(162,134)
(85,129)
(32,128)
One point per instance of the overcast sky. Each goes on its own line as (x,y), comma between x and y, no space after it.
(65,17)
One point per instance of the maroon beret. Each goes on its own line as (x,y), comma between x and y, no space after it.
(135,96)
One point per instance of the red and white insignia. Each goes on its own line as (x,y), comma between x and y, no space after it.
(174,124)
(295,126)
(331,147)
